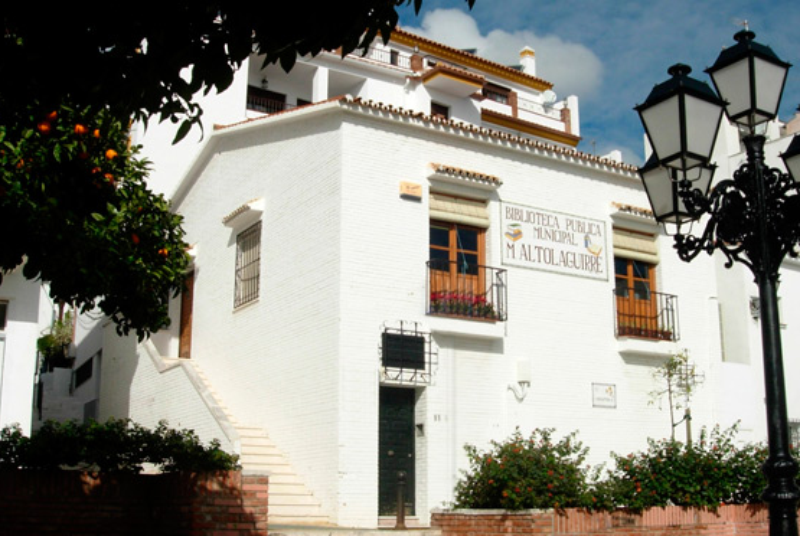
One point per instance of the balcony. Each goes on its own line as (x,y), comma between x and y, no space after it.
(645,314)
(469,291)
(385,55)
(266,102)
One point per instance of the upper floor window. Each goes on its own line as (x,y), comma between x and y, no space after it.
(496,93)
(440,110)
(248,264)
(265,101)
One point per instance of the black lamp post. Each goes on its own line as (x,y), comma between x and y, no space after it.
(753,218)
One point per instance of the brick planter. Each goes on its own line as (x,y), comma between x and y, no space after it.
(749,520)
(72,502)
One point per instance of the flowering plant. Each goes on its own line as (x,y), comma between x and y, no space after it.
(522,473)
(462,304)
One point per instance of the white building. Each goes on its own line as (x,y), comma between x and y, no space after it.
(401,253)
(30,393)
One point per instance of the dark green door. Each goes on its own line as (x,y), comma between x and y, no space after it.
(396,444)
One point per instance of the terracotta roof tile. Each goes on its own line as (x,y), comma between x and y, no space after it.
(403,37)
(465,174)
(636,211)
(357,102)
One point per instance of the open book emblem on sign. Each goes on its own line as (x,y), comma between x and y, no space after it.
(514,231)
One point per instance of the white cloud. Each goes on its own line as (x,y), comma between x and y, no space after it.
(571,67)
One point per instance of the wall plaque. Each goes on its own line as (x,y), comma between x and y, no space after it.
(544,240)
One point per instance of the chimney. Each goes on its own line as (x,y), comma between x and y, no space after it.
(527,57)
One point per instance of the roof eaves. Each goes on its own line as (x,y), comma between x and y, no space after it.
(461,56)
(493,134)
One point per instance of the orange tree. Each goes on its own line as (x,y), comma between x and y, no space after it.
(73,205)
(75,212)
(141,61)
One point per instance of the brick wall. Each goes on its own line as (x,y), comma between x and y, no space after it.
(72,502)
(749,520)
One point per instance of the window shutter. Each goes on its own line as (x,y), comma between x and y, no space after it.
(635,245)
(456,210)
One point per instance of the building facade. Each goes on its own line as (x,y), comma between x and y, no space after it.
(401,253)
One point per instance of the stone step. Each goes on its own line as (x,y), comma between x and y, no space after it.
(289,529)
(286,488)
(309,522)
(260,450)
(290,500)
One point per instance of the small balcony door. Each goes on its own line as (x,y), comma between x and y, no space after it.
(637,310)
(456,255)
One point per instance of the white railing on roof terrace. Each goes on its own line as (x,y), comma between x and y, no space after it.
(385,55)
(538,108)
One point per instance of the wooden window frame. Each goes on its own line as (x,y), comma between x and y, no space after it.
(497,93)
(636,315)
(453,249)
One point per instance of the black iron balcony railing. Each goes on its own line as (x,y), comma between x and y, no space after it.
(645,314)
(466,290)
(266,105)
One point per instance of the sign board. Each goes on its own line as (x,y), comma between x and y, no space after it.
(410,190)
(552,241)
(604,395)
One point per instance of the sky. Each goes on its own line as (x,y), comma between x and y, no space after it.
(610,53)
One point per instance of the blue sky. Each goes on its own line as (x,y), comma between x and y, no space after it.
(611,53)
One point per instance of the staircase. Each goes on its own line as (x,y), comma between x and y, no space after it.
(290,502)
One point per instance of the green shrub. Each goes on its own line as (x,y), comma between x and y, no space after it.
(536,472)
(521,473)
(116,445)
(711,472)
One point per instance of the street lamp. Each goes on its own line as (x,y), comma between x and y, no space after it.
(753,218)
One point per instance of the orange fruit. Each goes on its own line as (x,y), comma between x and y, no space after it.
(43,127)
(111,154)
(52,115)
(80,130)
(135,238)
(163,252)
(96,133)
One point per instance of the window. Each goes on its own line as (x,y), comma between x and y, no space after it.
(496,93)
(403,351)
(407,355)
(3,314)
(456,248)
(248,264)
(457,277)
(641,311)
(440,110)
(83,373)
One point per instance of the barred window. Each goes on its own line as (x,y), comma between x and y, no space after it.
(248,262)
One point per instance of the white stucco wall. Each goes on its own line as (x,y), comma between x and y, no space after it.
(28,314)
(134,386)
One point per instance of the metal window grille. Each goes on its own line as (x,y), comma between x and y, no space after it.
(407,355)
(248,263)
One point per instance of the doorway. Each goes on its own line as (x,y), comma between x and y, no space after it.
(396,449)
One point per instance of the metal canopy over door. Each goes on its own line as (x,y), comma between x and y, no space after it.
(396,448)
